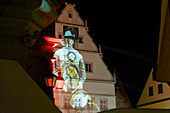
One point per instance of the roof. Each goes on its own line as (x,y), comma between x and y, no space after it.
(136,111)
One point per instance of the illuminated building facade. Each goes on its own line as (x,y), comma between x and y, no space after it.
(155,95)
(99,83)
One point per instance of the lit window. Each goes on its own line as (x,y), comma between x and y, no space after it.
(160,88)
(77,102)
(151,91)
(81,39)
(89,67)
(70,14)
(103,104)
(67,102)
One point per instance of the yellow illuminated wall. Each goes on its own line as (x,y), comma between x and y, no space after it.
(154,96)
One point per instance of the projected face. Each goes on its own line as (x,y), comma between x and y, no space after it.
(68,42)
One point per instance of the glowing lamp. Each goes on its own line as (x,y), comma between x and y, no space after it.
(49,79)
(59,84)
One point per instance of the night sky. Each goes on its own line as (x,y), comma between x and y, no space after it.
(128,33)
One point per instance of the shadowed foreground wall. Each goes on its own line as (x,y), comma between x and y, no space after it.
(19,93)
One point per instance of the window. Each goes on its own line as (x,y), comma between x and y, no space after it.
(67,102)
(151,91)
(70,14)
(77,102)
(160,88)
(73,29)
(60,35)
(103,104)
(81,39)
(122,102)
(90,105)
(89,67)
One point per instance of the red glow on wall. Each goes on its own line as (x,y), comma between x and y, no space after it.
(51,42)
(59,84)
(47,48)
(52,39)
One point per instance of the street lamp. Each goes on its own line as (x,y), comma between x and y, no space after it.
(50,80)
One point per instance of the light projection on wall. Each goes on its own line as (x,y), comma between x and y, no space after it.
(70,67)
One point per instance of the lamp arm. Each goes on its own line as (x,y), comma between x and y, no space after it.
(54,81)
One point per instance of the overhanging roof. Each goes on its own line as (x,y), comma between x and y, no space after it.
(19,93)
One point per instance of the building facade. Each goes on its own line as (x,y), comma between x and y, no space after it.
(99,83)
(155,95)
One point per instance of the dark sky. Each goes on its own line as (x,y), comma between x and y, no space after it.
(128,32)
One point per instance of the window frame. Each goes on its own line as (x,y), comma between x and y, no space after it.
(60,34)
(67,102)
(77,102)
(90,67)
(70,14)
(150,89)
(160,88)
(82,39)
(103,102)
(92,106)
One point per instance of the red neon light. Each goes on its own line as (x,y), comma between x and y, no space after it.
(52,39)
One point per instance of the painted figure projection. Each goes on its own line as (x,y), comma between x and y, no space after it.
(70,66)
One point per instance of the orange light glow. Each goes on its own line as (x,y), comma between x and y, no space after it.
(49,82)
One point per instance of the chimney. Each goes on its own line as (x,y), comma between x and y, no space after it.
(100,50)
(85,22)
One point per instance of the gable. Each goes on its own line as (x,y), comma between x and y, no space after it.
(99,69)
(148,99)
(88,43)
(70,15)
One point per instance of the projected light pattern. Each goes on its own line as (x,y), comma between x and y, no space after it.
(70,66)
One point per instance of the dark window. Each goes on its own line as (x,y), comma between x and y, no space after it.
(67,102)
(70,14)
(81,40)
(160,88)
(90,104)
(60,35)
(151,91)
(89,67)
(103,104)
